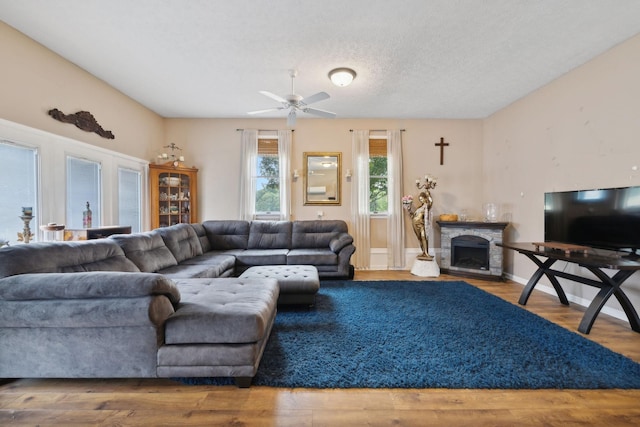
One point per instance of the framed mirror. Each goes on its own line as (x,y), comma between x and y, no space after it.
(322,172)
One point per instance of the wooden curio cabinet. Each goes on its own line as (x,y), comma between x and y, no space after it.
(174,195)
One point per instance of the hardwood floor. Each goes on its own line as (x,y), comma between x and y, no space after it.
(163,402)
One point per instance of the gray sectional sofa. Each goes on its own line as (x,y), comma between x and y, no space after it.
(327,245)
(164,303)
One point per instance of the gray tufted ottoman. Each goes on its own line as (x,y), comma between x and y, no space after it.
(299,284)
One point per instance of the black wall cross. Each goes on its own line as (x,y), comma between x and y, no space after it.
(441,144)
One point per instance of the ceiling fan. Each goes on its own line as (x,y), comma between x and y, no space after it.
(295,102)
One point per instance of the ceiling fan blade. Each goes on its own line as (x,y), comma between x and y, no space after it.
(320,96)
(268,110)
(274,97)
(291,118)
(321,113)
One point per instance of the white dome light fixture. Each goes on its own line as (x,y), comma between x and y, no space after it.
(342,76)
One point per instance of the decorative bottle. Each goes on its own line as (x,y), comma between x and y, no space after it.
(86,217)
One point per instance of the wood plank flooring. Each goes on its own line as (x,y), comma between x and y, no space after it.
(133,402)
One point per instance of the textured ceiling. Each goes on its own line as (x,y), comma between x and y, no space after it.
(414,58)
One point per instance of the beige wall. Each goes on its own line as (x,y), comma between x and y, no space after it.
(581,131)
(213,146)
(34,80)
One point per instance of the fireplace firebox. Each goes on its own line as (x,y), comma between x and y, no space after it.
(470,252)
(468,248)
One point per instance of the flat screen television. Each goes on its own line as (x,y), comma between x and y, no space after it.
(606,218)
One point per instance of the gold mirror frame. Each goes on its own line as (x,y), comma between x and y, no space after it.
(322,173)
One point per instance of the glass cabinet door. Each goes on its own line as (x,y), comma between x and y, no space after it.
(175,198)
(172,196)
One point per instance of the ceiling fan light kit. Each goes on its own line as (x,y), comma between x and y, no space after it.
(295,102)
(342,76)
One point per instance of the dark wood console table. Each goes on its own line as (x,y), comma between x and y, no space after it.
(609,285)
(95,233)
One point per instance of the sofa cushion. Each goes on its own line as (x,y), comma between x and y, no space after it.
(340,241)
(315,234)
(223,264)
(226,258)
(227,234)
(146,250)
(185,271)
(188,271)
(262,257)
(202,237)
(220,311)
(64,257)
(87,285)
(92,299)
(182,241)
(269,235)
(312,256)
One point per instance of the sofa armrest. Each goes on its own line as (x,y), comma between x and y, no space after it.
(86,285)
(340,241)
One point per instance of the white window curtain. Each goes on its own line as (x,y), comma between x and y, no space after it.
(395,221)
(360,199)
(284,157)
(248,174)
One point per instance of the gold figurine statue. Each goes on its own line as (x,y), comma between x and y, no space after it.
(420,217)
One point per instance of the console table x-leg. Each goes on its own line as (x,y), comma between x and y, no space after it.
(609,285)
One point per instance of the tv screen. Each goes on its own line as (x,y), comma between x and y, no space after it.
(601,218)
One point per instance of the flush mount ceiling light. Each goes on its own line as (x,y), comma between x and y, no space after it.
(342,76)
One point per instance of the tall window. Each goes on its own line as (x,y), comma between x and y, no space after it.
(83,186)
(265,189)
(130,199)
(268,177)
(18,188)
(378,176)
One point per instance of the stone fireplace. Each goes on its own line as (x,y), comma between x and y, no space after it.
(468,248)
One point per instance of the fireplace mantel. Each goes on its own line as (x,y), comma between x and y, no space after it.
(473,224)
(492,232)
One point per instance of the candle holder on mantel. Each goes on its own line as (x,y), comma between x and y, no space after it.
(26,234)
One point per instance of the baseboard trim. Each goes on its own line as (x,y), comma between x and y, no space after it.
(548,289)
(378,258)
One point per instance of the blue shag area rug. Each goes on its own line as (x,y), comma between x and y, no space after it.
(430,334)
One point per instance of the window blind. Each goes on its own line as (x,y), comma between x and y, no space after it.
(377,148)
